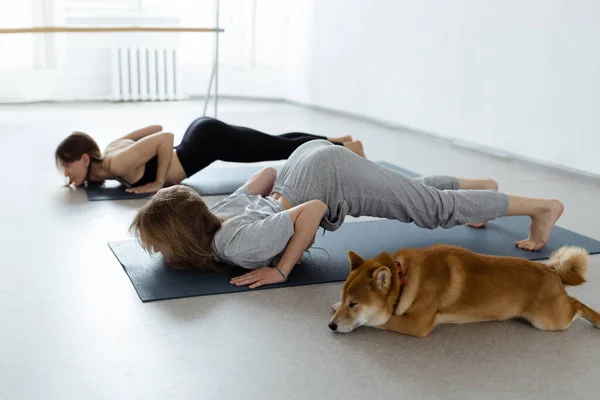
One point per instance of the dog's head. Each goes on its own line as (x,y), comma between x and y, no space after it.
(368,294)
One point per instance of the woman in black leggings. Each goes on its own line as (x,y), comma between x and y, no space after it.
(145,160)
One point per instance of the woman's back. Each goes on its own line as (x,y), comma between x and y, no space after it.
(117,145)
(139,175)
(255,230)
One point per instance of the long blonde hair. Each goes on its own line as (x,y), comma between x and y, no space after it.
(177,222)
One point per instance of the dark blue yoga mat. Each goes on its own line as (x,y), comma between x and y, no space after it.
(154,280)
(110,190)
(208,182)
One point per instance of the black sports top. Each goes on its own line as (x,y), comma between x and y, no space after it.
(149,172)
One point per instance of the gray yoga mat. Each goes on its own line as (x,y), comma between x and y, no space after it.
(210,181)
(154,280)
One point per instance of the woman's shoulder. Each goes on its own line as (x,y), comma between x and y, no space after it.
(230,245)
(233,225)
(222,240)
(233,202)
(117,145)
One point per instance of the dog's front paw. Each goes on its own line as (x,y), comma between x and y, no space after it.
(336,307)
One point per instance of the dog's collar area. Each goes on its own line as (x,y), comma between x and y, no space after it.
(401,283)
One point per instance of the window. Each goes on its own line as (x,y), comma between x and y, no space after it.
(251,48)
(93,7)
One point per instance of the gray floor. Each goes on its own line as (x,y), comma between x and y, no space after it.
(72,325)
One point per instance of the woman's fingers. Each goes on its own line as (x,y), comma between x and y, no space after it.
(245,282)
(257,278)
(246,279)
(267,279)
(140,189)
(257,284)
(241,277)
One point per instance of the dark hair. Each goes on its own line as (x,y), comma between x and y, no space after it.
(74,146)
(177,222)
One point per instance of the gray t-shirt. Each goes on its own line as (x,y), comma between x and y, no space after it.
(256,230)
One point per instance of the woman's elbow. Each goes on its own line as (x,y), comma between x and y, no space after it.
(168,138)
(319,206)
(269,173)
(312,212)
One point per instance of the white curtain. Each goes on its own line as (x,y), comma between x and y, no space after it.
(49,50)
(26,58)
(16,51)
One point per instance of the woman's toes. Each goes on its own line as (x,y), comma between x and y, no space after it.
(492,184)
(477,225)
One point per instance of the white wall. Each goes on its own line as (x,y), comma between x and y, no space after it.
(521,76)
(518,75)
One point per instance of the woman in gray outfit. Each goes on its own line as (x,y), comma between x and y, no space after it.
(267,224)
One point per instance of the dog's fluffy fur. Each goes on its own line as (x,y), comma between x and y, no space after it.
(448,284)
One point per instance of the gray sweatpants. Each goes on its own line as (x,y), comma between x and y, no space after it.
(352,185)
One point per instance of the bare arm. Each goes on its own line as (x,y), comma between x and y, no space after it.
(140,152)
(143,132)
(306,218)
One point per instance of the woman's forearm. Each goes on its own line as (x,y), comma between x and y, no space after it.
(305,227)
(165,156)
(143,132)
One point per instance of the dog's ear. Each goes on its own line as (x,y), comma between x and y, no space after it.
(355,260)
(382,279)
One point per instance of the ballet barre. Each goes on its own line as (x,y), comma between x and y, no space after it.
(67,29)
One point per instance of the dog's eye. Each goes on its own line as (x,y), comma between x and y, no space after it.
(352,304)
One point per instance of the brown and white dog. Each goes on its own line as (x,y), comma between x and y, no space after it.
(413,290)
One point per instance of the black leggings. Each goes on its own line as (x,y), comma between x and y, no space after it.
(207,140)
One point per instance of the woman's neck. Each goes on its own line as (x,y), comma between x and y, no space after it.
(97,172)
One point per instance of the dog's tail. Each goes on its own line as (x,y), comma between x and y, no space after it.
(571,264)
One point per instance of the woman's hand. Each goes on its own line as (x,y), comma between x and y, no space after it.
(306,218)
(147,188)
(258,277)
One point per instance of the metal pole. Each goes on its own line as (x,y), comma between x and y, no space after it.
(210,82)
(217,60)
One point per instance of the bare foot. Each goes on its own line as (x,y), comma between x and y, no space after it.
(341,139)
(542,223)
(357,147)
(477,225)
(478,184)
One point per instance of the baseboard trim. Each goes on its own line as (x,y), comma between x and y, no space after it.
(558,169)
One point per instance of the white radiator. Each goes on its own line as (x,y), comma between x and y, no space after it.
(146,74)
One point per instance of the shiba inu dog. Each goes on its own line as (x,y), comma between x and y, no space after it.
(413,290)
